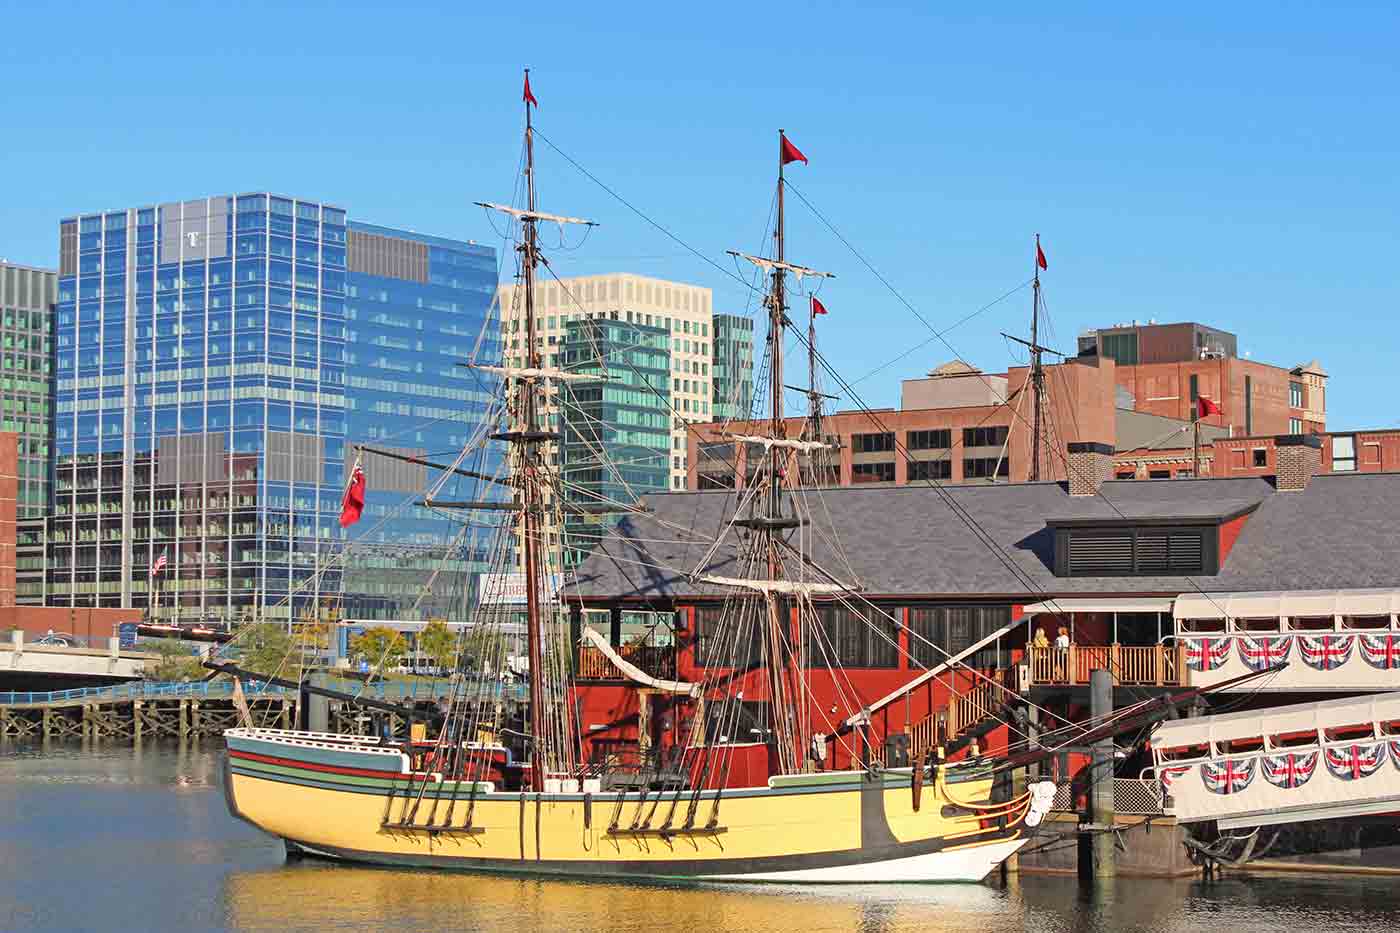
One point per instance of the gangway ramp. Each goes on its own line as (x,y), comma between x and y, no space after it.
(1287,764)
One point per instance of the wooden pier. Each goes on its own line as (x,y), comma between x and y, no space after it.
(143,711)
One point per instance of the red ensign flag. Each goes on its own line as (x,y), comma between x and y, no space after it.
(817,306)
(791,153)
(1205,406)
(1040,256)
(354,503)
(529,98)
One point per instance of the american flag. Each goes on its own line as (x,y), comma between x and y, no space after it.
(1381,651)
(159,565)
(1260,654)
(1326,652)
(1206,654)
(1230,776)
(1350,762)
(1290,770)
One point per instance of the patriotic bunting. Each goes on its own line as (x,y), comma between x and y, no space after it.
(1352,762)
(1169,775)
(1326,652)
(1260,654)
(1381,651)
(1230,776)
(1206,654)
(1290,770)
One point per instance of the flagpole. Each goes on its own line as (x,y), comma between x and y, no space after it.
(1196,446)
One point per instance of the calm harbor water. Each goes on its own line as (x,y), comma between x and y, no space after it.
(121,839)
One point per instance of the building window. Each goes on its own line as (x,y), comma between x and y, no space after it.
(863,637)
(1344,453)
(1134,551)
(1159,474)
(1295,425)
(1248,406)
(984,437)
(1261,457)
(1125,474)
(872,472)
(1121,348)
(929,470)
(940,439)
(986,467)
(730,635)
(872,443)
(1295,395)
(937,633)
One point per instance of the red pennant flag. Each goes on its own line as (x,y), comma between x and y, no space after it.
(791,153)
(1040,255)
(1205,406)
(529,98)
(817,306)
(353,505)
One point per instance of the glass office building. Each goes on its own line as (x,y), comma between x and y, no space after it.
(201,409)
(617,432)
(27,296)
(732,367)
(417,307)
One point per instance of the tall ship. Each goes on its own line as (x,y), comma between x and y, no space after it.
(746,773)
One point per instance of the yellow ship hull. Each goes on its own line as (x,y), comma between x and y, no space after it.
(343,799)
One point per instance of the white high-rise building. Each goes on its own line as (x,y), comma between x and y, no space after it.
(684,310)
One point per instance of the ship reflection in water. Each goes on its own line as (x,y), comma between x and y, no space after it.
(121,839)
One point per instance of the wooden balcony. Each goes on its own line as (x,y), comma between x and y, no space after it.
(1149,666)
(658,661)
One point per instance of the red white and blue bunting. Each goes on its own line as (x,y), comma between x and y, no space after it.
(1169,775)
(1230,776)
(1381,651)
(1290,770)
(1352,762)
(1326,652)
(1264,652)
(1206,654)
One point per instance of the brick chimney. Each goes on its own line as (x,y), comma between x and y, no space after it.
(1297,458)
(1090,463)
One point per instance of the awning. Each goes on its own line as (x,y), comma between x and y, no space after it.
(1294,604)
(1101,604)
(1303,717)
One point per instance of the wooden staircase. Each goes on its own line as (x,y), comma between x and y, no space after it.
(966,714)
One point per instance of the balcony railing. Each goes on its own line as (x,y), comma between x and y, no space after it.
(658,661)
(1149,666)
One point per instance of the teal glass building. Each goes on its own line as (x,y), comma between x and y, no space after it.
(617,431)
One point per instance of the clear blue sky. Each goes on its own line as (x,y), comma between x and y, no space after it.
(1234,164)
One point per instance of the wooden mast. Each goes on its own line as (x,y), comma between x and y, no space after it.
(1037,371)
(777,627)
(530,457)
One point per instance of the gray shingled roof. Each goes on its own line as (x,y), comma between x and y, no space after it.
(1343,531)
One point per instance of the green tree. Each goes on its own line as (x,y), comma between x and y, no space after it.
(439,643)
(266,648)
(176,663)
(381,646)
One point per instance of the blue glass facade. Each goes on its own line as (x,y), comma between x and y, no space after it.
(201,406)
(417,306)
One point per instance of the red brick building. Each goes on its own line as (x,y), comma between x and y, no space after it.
(955,425)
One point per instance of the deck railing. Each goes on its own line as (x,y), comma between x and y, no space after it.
(656,660)
(1131,665)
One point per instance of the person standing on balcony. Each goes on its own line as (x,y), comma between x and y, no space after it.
(1062,654)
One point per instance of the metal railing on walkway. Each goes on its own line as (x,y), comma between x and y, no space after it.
(1132,796)
(221,688)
